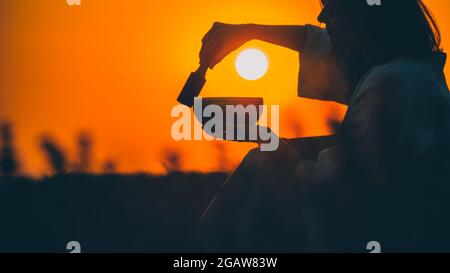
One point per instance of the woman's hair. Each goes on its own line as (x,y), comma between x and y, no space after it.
(395,28)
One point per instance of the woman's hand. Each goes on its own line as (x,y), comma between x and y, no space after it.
(284,152)
(221,40)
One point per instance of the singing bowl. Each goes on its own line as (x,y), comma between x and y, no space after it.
(222,103)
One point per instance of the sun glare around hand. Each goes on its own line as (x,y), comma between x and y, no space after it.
(252,64)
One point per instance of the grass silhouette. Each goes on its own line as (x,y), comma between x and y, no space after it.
(105,213)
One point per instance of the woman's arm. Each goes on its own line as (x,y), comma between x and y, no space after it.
(292,37)
(222,39)
(319,78)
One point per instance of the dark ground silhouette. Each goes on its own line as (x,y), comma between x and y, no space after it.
(108,213)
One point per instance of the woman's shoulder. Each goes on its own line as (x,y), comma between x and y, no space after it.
(402,69)
(404,75)
(409,68)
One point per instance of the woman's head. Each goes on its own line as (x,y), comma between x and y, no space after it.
(396,27)
(365,35)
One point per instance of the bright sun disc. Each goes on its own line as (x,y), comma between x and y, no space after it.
(252,64)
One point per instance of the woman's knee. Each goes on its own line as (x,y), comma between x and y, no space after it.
(252,154)
(260,160)
(252,157)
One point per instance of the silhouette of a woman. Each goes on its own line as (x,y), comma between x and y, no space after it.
(384,176)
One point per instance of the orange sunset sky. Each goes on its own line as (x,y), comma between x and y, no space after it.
(115,68)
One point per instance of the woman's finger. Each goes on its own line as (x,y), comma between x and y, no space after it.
(217,55)
(208,34)
(213,51)
(206,52)
(215,27)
